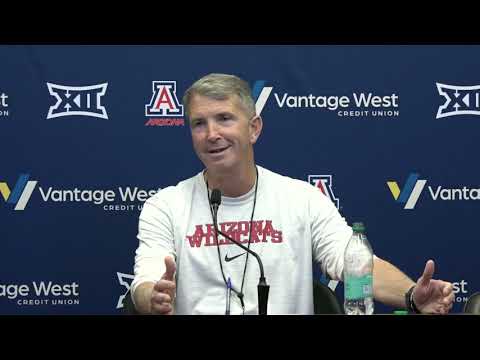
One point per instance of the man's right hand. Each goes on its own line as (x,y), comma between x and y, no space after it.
(163,293)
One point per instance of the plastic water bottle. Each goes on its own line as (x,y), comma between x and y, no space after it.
(358,273)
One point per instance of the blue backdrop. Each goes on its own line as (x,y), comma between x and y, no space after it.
(388,132)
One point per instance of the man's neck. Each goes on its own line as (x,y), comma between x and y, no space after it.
(232,184)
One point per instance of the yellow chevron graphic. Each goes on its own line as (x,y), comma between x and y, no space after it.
(394,189)
(4,190)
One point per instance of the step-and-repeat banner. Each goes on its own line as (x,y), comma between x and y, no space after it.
(88,133)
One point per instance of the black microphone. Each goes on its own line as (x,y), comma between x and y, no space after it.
(263,288)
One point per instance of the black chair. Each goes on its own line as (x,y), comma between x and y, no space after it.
(472,306)
(324,300)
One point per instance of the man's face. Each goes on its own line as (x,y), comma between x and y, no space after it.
(222,133)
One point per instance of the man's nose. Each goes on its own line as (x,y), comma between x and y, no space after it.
(212,131)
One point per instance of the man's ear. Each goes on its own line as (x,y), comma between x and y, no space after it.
(255,128)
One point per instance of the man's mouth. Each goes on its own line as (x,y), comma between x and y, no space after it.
(218,150)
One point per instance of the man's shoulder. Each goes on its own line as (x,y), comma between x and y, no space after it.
(293,190)
(284,181)
(181,189)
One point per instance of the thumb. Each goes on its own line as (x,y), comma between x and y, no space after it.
(424,280)
(170,268)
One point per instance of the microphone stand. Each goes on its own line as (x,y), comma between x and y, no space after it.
(262,287)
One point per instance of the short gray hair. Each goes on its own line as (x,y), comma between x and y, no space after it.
(221,87)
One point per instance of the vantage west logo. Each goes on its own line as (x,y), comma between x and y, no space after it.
(21,193)
(459,100)
(414,187)
(41,293)
(324,183)
(3,105)
(77,100)
(357,104)
(461,291)
(119,199)
(164,109)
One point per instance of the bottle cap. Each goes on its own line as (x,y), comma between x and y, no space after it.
(358,227)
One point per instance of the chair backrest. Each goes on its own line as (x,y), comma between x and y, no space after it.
(324,300)
(472,306)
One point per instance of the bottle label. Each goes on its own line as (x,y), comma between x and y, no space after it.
(358,287)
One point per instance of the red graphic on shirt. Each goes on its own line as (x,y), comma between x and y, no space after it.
(262,231)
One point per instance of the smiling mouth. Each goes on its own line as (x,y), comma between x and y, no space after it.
(217,151)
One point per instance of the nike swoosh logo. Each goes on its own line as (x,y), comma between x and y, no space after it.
(227,259)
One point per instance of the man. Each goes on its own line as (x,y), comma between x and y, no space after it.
(181,268)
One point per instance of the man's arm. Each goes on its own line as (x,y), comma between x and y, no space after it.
(142,297)
(389,283)
(429,296)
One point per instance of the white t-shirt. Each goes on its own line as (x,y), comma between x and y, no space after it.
(294,224)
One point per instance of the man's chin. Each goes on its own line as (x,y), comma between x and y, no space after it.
(218,167)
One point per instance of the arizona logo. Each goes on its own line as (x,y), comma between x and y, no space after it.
(164,108)
(324,183)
